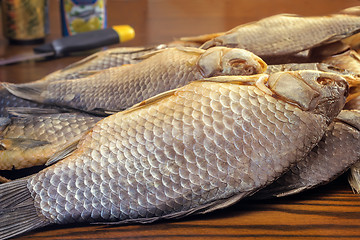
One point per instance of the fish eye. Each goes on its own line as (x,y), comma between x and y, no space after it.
(325,81)
(241,65)
(237,62)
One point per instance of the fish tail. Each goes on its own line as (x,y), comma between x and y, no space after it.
(351,11)
(17,210)
(27,91)
(354,178)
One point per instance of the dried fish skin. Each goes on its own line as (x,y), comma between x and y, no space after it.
(337,151)
(116,89)
(28,140)
(196,149)
(287,34)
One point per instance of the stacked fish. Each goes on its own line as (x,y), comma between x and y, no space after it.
(184,130)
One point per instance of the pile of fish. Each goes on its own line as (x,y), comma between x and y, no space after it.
(133,135)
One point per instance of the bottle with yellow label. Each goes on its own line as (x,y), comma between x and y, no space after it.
(82,16)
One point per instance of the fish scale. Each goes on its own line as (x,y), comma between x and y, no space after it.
(225,178)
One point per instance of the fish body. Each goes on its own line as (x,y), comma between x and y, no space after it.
(118,88)
(196,149)
(28,140)
(335,153)
(287,34)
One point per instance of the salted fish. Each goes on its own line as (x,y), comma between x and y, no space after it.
(195,149)
(29,137)
(119,88)
(338,150)
(288,34)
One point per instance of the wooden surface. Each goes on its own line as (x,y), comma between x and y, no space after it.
(328,212)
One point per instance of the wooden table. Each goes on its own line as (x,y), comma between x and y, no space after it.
(332,211)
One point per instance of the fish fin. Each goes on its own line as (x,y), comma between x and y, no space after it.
(243,80)
(212,206)
(4,122)
(63,153)
(190,49)
(133,50)
(180,48)
(29,111)
(202,38)
(27,91)
(351,11)
(149,101)
(292,191)
(273,191)
(22,143)
(150,54)
(18,213)
(81,62)
(354,178)
(88,73)
(4,180)
(220,204)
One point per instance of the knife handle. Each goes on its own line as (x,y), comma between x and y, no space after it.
(91,40)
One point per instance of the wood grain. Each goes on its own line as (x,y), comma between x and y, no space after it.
(328,212)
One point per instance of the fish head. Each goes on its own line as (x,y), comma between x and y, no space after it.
(218,61)
(319,92)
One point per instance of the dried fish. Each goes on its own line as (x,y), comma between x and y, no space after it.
(288,34)
(118,88)
(192,150)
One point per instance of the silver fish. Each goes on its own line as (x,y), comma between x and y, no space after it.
(118,88)
(192,150)
(335,153)
(30,138)
(287,34)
